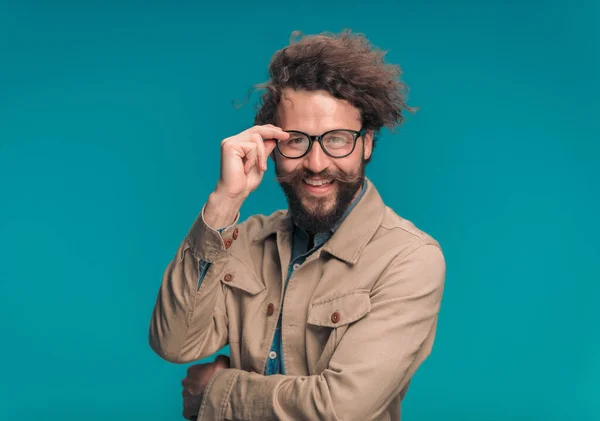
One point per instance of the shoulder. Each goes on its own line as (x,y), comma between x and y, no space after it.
(404,230)
(259,226)
(398,241)
(415,258)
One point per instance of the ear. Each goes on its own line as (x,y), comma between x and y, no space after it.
(368,144)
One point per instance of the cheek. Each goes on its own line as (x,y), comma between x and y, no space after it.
(286,165)
(351,164)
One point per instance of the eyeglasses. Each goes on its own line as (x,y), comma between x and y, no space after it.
(335,143)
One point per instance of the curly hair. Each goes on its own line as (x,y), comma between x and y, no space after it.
(346,66)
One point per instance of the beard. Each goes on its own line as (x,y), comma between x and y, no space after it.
(319,214)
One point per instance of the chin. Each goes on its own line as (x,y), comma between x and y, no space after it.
(319,205)
(319,214)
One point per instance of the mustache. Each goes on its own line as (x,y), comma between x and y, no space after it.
(296,176)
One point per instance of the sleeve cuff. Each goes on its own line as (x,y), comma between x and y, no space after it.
(207,243)
(238,394)
(216,403)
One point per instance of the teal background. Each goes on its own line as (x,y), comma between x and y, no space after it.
(111,115)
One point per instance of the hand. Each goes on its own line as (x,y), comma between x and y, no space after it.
(244,159)
(243,163)
(196,381)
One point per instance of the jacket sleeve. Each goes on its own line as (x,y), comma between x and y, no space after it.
(373,362)
(205,265)
(189,321)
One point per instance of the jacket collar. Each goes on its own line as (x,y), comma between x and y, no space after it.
(350,238)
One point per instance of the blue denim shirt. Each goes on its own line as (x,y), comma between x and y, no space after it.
(300,252)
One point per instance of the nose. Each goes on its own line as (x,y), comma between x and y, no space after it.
(316,160)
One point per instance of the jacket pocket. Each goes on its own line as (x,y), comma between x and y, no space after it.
(328,320)
(244,294)
(340,310)
(240,277)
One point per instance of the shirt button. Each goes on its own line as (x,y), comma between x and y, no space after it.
(335,317)
(296,266)
(270,309)
(227,243)
(228,277)
(272,355)
(235,233)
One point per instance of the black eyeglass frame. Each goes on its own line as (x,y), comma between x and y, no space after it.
(319,139)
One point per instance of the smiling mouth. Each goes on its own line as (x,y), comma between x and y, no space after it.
(317,183)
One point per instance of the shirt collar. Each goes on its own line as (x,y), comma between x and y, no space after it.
(351,236)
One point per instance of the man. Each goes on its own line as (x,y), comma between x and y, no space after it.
(330,306)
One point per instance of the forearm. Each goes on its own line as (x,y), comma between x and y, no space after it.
(371,365)
(278,397)
(189,320)
(238,395)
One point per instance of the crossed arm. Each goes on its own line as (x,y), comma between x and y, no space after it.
(373,362)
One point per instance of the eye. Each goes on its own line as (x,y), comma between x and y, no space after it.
(337,139)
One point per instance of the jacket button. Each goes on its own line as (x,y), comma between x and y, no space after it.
(335,317)
(235,233)
(270,309)
(227,243)
(228,277)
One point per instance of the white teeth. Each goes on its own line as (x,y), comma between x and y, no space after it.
(317,182)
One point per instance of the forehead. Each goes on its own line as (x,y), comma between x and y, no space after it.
(315,112)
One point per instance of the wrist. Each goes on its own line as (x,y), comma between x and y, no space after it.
(220,210)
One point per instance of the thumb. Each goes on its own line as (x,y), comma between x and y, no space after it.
(222,361)
(269,145)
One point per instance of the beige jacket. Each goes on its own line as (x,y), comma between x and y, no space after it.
(359,318)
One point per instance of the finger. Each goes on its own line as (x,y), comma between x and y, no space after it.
(270,132)
(266,126)
(272,126)
(243,148)
(262,156)
(250,150)
(191,408)
(194,368)
(222,360)
(270,145)
(252,160)
(188,414)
